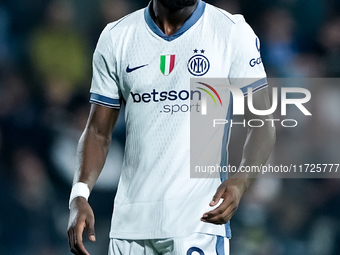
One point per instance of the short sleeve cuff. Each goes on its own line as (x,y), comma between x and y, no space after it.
(256,86)
(104,101)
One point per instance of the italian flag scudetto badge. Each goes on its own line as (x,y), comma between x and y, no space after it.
(167,64)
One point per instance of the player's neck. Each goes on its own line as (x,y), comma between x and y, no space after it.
(170,21)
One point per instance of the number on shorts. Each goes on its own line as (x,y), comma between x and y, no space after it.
(192,249)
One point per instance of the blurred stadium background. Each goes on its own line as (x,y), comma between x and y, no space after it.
(45,73)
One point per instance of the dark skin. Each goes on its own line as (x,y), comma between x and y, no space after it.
(169,18)
(94,144)
(91,154)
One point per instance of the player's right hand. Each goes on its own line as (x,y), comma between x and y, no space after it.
(81,217)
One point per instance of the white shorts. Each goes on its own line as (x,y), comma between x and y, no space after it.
(194,244)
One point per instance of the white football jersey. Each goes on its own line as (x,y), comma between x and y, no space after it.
(135,63)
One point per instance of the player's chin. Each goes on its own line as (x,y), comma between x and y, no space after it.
(179,4)
(185,3)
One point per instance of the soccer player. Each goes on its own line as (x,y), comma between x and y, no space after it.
(145,60)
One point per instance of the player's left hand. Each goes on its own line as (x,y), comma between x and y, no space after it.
(231,192)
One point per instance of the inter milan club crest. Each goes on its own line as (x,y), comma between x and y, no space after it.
(167,64)
(198,65)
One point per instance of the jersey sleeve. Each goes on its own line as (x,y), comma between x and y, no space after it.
(104,88)
(246,65)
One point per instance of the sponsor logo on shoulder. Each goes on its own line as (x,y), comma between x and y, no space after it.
(256,61)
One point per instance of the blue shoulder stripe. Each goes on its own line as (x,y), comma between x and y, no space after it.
(256,86)
(224,14)
(116,24)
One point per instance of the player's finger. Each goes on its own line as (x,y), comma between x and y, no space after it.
(225,216)
(222,218)
(79,240)
(90,229)
(218,195)
(71,241)
(218,210)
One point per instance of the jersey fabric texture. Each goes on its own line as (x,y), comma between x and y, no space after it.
(135,63)
(193,244)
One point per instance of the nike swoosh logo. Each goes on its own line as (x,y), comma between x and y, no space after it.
(129,70)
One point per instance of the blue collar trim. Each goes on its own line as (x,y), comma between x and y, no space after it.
(195,16)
